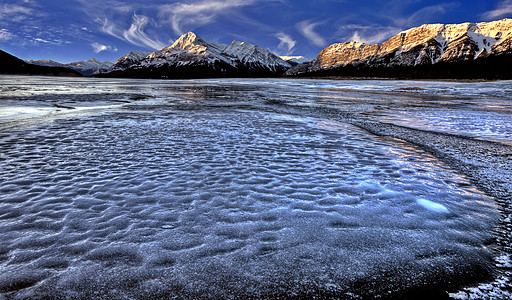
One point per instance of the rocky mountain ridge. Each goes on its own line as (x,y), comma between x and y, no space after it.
(192,57)
(86,68)
(425,45)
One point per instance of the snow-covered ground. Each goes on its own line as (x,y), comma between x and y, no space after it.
(220,189)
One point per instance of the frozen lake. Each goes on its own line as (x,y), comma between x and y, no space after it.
(239,188)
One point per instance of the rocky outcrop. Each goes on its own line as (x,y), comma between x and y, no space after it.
(425,45)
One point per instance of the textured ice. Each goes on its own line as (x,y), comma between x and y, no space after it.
(152,201)
(197,188)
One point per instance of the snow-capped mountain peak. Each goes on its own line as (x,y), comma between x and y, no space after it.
(192,56)
(128,60)
(190,42)
(296,59)
(187,41)
(188,47)
(253,54)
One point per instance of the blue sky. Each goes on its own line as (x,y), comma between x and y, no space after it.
(72,30)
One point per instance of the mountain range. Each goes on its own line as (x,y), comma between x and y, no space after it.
(468,50)
(295,60)
(86,68)
(192,57)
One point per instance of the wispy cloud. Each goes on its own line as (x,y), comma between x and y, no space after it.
(14,12)
(424,15)
(109,28)
(145,24)
(397,21)
(285,42)
(369,34)
(504,9)
(95,7)
(40,40)
(136,35)
(307,29)
(113,16)
(187,16)
(5,35)
(97,47)
(49,41)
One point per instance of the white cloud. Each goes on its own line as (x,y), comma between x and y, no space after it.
(49,41)
(14,12)
(109,28)
(504,9)
(93,7)
(186,16)
(286,42)
(136,35)
(307,29)
(99,48)
(5,35)
(366,34)
(40,40)
(424,15)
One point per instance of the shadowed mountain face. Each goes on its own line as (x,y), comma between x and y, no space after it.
(10,64)
(192,57)
(428,51)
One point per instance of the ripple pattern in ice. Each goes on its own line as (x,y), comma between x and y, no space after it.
(214,203)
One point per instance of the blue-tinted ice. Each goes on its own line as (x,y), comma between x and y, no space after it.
(153,201)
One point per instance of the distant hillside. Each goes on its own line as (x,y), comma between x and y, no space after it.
(86,68)
(10,64)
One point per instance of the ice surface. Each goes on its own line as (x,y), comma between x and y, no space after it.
(155,201)
(199,188)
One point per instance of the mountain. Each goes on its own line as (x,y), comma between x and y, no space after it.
(295,60)
(128,60)
(192,57)
(469,50)
(86,68)
(10,64)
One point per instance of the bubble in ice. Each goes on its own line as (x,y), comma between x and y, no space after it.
(433,206)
